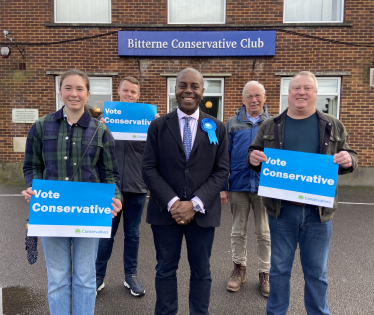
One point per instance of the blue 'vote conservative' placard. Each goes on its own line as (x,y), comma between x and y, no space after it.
(298,176)
(70,209)
(129,121)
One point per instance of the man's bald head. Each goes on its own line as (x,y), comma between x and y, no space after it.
(191,70)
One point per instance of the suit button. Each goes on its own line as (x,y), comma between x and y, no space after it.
(186,170)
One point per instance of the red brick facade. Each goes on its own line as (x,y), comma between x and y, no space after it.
(318,48)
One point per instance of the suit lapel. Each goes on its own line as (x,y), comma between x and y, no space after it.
(173,125)
(200,134)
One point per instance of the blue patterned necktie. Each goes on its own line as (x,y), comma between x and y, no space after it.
(187,138)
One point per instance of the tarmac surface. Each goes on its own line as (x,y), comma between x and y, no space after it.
(350,266)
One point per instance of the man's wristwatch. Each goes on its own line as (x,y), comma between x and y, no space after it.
(196,206)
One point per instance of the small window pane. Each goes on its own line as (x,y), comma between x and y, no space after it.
(196,11)
(212,105)
(212,86)
(327,86)
(172,84)
(82,11)
(100,86)
(96,104)
(173,104)
(313,11)
(327,104)
(285,85)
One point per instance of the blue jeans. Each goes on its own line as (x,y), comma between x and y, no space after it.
(132,210)
(71,274)
(168,244)
(299,224)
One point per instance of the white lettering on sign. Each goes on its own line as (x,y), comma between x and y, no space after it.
(134,43)
(113,111)
(275,162)
(43,194)
(70,209)
(317,179)
(248,43)
(127,121)
(221,44)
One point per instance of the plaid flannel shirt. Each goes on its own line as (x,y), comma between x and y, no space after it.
(54,149)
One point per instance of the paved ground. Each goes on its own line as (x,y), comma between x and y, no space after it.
(350,266)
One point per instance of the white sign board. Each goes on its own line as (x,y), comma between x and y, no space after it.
(23,115)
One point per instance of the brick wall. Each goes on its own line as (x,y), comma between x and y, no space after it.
(34,89)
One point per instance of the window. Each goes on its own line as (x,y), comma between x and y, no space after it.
(313,11)
(196,11)
(211,103)
(101,91)
(328,96)
(82,11)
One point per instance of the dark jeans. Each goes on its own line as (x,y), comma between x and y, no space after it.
(168,244)
(132,211)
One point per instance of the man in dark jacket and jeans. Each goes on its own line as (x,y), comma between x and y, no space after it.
(303,128)
(129,156)
(242,186)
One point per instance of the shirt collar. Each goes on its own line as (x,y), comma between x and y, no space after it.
(84,121)
(195,115)
(249,117)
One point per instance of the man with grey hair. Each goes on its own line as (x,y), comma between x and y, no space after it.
(242,186)
(302,128)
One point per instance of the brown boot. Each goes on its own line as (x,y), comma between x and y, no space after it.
(264,283)
(237,278)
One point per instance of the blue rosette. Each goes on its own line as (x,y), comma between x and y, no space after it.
(209,126)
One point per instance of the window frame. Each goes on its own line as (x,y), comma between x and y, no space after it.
(197,23)
(341,15)
(92,93)
(222,94)
(80,22)
(338,93)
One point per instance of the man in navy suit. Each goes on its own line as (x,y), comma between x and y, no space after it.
(184,168)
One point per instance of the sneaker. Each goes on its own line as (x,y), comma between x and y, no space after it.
(264,283)
(133,283)
(99,284)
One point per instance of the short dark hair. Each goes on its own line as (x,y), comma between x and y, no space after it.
(130,79)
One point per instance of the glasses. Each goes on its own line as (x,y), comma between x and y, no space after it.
(256,96)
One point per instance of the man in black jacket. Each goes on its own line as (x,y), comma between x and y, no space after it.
(185,169)
(129,155)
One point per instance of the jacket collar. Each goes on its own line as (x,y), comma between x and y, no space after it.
(84,121)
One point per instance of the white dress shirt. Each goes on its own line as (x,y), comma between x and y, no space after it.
(194,121)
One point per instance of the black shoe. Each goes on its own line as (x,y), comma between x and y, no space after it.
(133,283)
(99,284)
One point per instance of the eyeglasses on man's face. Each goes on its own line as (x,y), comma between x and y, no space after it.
(256,96)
